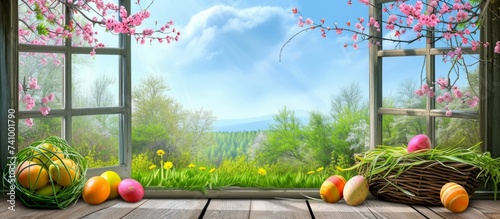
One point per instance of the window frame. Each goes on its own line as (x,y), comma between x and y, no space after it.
(377,111)
(124,110)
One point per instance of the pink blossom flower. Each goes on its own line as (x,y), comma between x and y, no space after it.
(418,27)
(447,35)
(366,2)
(474,45)
(443,83)
(373,22)
(457,93)
(29,101)
(419,92)
(444,9)
(33,84)
(28,122)
(497,47)
(439,99)
(447,97)
(448,112)
(392,19)
(300,23)
(147,32)
(355,37)
(44,110)
(51,97)
(431,93)
(309,21)
(462,16)
(359,26)
(409,20)
(465,40)
(473,102)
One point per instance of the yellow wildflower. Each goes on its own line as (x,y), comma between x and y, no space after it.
(152,167)
(168,165)
(262,171)
(191,166)
(212,170)
(320,169)
(311,172)
(160,152)
(202,168)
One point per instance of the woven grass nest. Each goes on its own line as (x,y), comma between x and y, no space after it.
(395,175)
(62,196)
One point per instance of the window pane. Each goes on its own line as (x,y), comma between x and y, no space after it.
(95,81)
(401,77)
(462,80)
(28,24)
(307,146)
(42,128)
(401,37)
(456,131)
(398,130)
(103,36)
(40,75)
(97,139)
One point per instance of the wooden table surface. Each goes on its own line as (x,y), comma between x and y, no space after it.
(249,208)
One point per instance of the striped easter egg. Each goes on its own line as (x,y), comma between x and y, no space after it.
(332,189)
(454,197)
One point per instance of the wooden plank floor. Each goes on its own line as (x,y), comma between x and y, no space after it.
(247,208)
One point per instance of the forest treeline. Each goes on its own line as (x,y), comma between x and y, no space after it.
(187,135)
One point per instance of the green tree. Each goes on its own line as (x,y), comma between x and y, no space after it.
(347,109)
(159,122)
(197,127)
(319,133)
(285,141)
(155,117)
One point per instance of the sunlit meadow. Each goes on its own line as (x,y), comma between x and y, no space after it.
(239,172)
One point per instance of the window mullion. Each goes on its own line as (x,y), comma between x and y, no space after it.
(430,69)
(375,71)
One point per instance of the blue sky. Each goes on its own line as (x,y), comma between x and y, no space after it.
(227,59)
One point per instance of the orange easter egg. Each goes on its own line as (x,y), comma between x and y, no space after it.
(332,189)
(454,197)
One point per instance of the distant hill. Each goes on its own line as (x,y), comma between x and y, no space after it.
(238,125)
(252,124)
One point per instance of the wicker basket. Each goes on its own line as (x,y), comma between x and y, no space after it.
(421,184)
(66,195)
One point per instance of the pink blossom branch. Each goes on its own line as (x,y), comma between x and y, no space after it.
(453,22)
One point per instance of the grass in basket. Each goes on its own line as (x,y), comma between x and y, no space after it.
(384,159)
